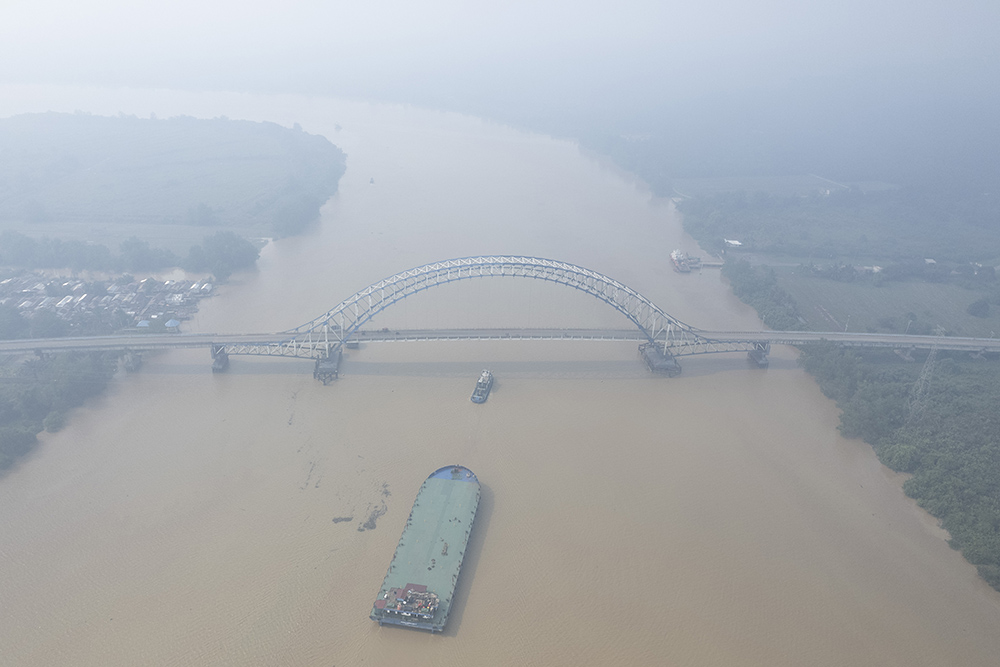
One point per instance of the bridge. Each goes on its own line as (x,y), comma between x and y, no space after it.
(663,337)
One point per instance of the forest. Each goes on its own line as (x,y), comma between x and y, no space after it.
(759,288)
(944,431)
(35,396)
(69,171)
(220,254)
(890,226)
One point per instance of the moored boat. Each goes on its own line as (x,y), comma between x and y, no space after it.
(680,261)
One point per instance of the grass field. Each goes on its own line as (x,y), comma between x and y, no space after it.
(828,305)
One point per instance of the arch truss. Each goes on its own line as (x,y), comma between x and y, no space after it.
(344,321)
(324,336)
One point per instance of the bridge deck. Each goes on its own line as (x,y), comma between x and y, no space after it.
(310,344)
(323,337)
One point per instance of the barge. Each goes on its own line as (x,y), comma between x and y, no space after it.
(419,588)
(680,262)
(685,263)
(483,386)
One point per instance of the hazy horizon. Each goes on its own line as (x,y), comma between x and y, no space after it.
(861,90)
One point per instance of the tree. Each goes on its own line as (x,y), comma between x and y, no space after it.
(46,324)
(12,324)
(979,308)
(137,255)
(14,442)
(222,253)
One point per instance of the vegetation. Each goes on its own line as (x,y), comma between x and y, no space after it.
(759,288)
(866,260)
(891,306)
(945,434)
(900,227)
(36,395)
(220,253)
(83,170)
(70,173)
(947,437)
(77,170)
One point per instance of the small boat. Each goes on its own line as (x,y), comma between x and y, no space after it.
(483,386)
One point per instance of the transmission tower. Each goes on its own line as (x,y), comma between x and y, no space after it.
(918,394)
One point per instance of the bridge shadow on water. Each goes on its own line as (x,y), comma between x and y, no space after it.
(696,366)
(447,369)
(240,366)
(470,563)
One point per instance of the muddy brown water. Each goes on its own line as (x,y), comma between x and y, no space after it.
(186,518)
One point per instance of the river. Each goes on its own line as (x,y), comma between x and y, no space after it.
(717,518)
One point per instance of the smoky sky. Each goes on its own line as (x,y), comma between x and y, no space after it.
(863,89)
(374,47)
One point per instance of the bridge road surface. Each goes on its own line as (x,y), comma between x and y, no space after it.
(315,343)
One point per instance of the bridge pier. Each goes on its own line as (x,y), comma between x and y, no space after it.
(659,360)
(132,361)
(758,355)
(220,358)
(328,368)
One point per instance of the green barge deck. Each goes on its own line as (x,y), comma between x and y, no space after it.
(419,587)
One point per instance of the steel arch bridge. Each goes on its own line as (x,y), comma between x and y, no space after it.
(344,321)
(662,336)
(323,337)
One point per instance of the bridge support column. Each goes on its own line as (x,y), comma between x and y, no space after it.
(328,368)
(659,360)
(220,358)
(132,361)
(758,355)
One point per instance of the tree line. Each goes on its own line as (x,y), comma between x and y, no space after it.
(220,254)
(760,289)
(898,226)
(35,396)
(75,169)
(947,438)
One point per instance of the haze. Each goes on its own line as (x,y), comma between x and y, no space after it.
(816,84)
(191,43)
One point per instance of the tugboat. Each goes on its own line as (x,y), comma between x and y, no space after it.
(483,386)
